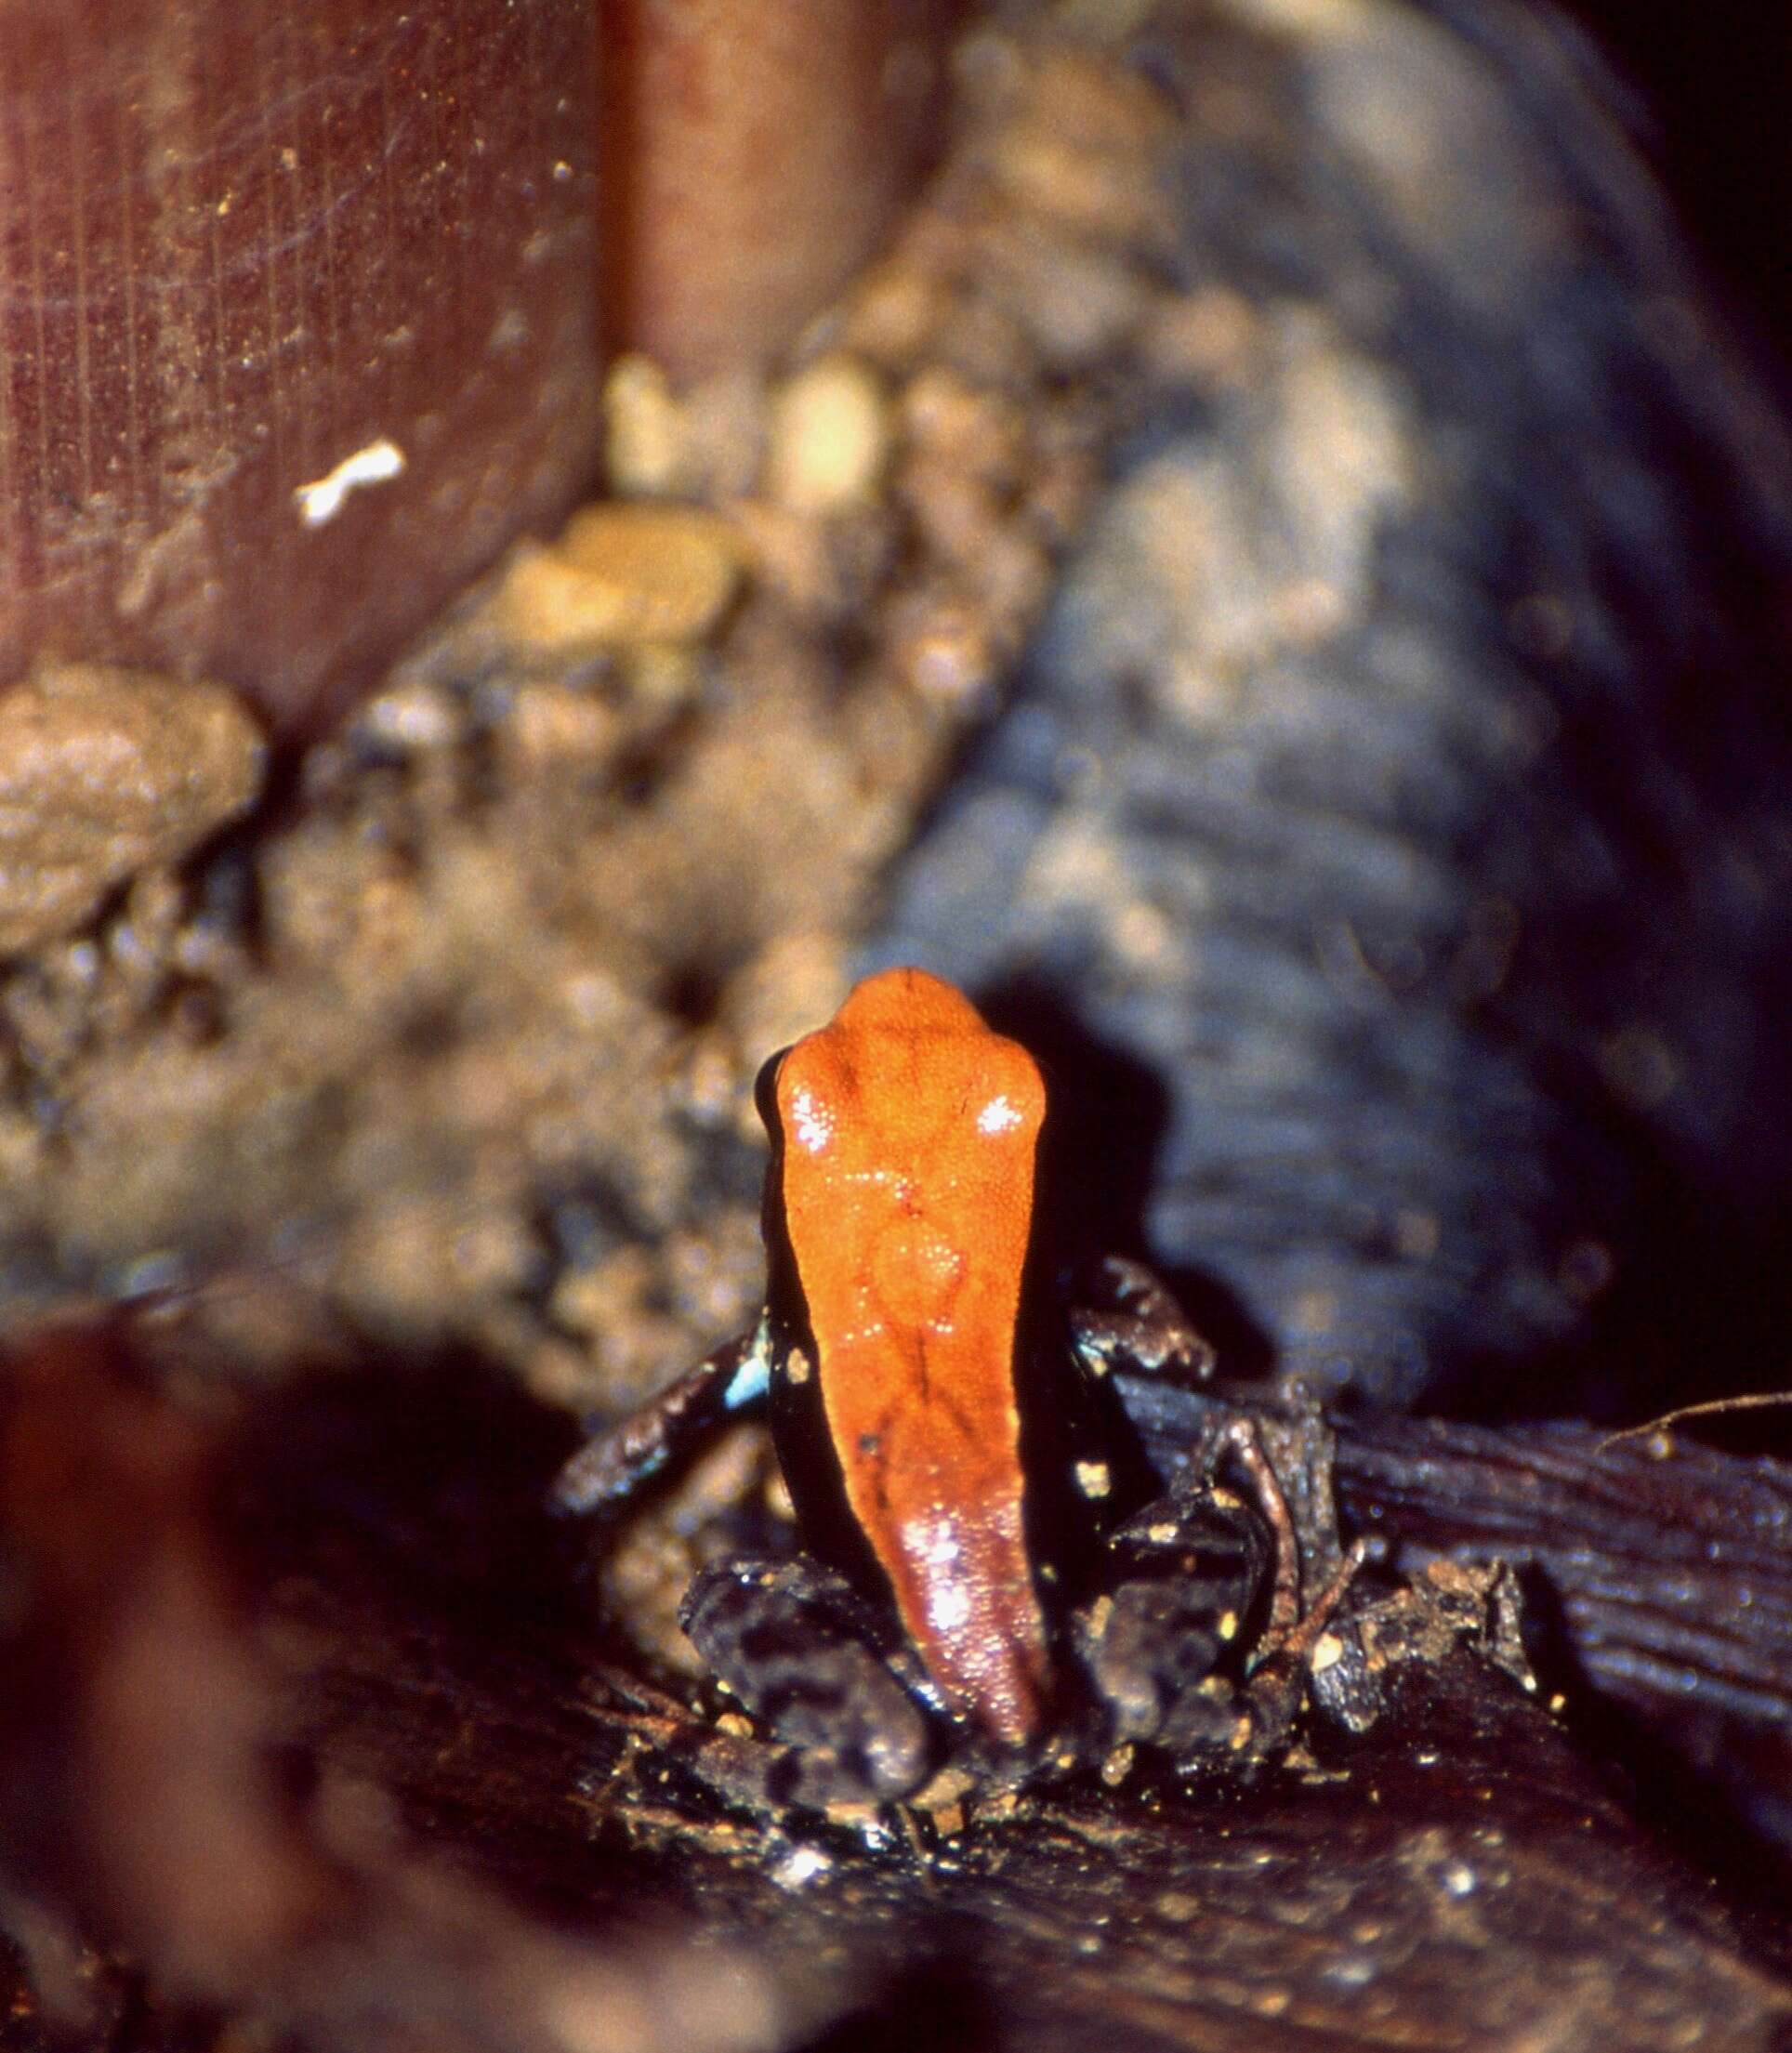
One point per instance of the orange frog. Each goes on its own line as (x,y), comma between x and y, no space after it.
(898,1354)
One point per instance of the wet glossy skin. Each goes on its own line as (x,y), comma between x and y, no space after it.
(908,1133)
(899,1209)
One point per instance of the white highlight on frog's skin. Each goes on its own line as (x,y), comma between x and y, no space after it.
(813,1122)
(320,501)
(948,1606)
(999,1117)
(934,1545)
(752,1379)
(748,1384)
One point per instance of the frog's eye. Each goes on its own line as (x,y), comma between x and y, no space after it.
(765,1094)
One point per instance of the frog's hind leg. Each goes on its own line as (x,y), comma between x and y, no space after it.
(1164,1648)
(803,1652)
(614,1464)
(1275,1682)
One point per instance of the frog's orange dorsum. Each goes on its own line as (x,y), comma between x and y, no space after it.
(899,1209)
(908,1134)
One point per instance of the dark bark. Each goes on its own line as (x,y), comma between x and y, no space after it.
(1660,1572)
(1658,1583)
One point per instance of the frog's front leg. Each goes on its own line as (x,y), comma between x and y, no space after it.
(616,1462)
(1132,1322)
(805,1654)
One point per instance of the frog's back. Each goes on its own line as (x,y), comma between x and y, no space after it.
(908,1133)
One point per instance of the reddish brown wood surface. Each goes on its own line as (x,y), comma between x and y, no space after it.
(244,242)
